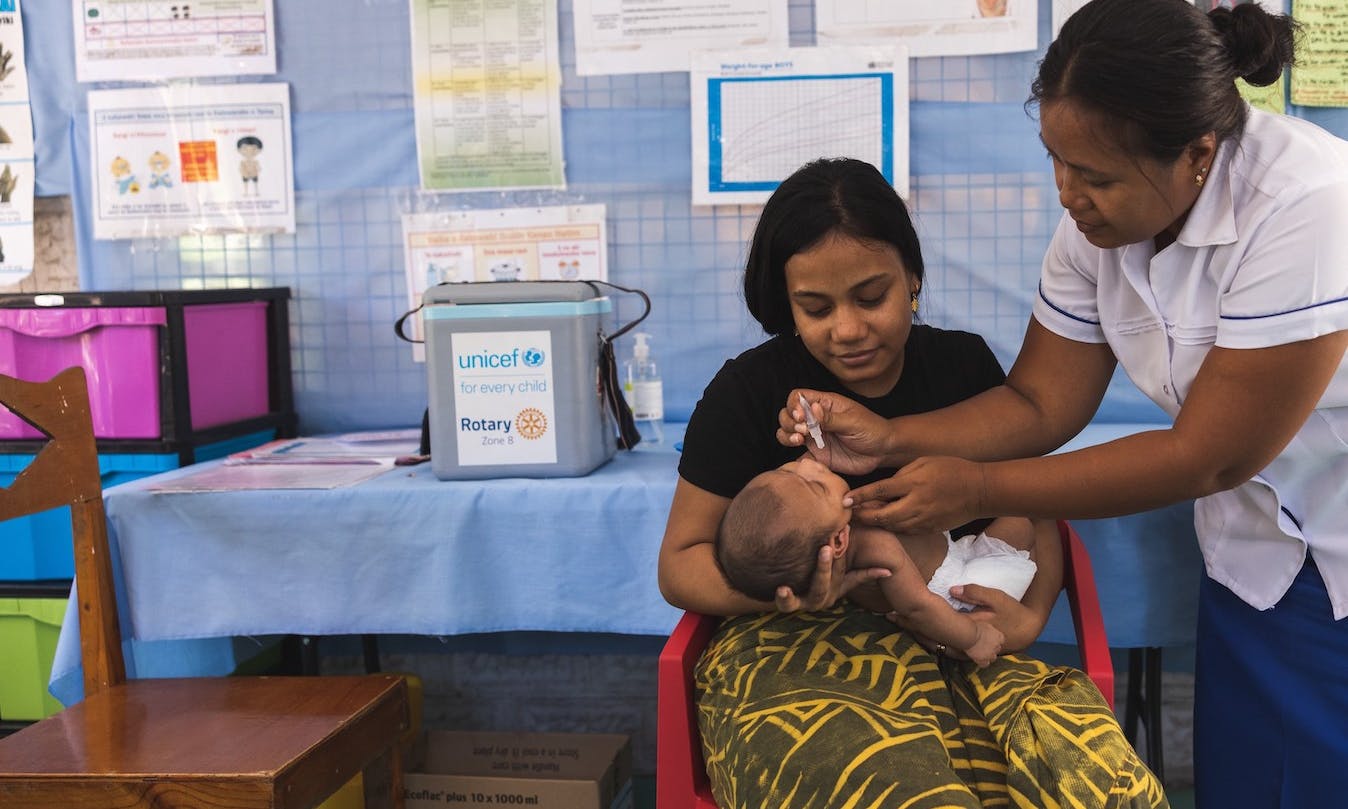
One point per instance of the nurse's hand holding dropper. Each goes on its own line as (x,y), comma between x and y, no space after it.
(857,438)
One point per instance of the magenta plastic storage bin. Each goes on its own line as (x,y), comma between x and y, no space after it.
(226,362)
(168,370)
(118,347)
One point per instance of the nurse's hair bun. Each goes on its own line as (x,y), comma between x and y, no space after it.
(1259,44)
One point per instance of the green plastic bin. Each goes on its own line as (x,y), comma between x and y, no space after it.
(28,631)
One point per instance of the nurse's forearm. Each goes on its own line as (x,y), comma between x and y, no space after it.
(995,425)
(1136,473)
(1049,396)
(1243,409)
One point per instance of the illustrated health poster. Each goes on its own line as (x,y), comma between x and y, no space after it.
(120,40)
(487,94)
(760,115)
(16,151)
(927,28)
(654,36)
(181,159)
(556,243)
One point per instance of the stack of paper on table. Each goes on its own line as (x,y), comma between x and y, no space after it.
(324,462)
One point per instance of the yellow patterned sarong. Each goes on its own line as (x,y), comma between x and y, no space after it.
(840,708)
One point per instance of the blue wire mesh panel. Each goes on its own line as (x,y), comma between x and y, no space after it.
(982,195)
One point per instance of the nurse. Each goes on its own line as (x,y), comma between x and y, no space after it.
(1205,249)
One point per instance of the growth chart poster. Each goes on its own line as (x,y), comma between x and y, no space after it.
(739,99)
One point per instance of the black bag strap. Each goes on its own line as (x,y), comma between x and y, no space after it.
(645,299)
(398,324)
(609,380)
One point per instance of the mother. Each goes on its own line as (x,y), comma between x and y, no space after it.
(835,706)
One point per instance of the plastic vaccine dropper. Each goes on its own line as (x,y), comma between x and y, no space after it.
(645,390)
(811,423)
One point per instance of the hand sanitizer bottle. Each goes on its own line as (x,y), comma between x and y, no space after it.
(645,392)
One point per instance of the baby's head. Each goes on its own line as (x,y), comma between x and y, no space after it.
(772,531)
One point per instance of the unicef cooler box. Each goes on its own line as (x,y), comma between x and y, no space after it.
(514,379)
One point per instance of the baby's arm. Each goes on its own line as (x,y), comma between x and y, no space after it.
(1018,532)
(918,607)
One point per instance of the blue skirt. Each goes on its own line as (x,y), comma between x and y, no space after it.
(1271,700)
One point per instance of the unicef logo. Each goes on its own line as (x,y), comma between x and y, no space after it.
(533,357)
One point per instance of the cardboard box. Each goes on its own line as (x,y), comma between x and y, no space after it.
(468,770)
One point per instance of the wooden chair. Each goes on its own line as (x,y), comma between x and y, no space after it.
(236,742)
(680,774)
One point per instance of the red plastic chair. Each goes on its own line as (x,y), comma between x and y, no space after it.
(680,775)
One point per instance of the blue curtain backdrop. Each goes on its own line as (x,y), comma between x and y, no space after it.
(982,194)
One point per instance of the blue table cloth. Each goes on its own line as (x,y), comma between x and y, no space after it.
(401,553)
(1147,567)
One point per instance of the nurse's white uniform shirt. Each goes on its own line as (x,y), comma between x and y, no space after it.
(1261,261)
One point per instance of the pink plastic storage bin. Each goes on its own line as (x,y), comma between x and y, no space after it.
(226,361)
(121,350)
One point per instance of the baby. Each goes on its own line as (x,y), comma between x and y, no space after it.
(772,531)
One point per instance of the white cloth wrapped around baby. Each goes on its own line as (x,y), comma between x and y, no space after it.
(984,560)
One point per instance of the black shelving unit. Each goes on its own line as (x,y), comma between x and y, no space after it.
(176,431)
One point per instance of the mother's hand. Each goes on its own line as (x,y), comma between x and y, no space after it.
(929,494)
(832,580)
(855,439)
(1019,623)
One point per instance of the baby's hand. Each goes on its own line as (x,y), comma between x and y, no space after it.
(986,645)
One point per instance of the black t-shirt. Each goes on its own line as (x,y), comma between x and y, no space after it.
(731,435)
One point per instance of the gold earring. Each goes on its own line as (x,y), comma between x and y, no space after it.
(1201,177)
(914,304)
